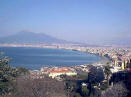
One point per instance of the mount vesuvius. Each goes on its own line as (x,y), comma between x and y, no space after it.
(31,37)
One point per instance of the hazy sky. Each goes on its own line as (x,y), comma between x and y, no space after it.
(77,20)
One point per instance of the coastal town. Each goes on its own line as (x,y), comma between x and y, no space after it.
(119,59)
(114,67)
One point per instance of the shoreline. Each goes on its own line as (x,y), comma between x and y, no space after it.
(103,59)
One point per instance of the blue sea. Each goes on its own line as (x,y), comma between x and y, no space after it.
(35,58)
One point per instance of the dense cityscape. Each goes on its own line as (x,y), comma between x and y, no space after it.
(115,65)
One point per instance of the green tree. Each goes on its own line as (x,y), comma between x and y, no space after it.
(5,72)
(95,93)
(84,91)
(77,95)
(107,72)
(96,75)
(8,75)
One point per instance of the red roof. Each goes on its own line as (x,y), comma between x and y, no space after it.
(59,71)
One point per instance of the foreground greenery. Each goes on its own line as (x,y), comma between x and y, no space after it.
(8,75)
(15,82)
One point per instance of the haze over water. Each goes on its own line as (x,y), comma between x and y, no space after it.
(35,58)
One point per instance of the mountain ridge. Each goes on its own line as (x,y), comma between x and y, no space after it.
(41,38)
(31,37)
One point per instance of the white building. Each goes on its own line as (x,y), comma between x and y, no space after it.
(55,73)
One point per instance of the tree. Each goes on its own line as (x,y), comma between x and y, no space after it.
(46,87)
(118,90)
(77,95)
(95,93)
(107,72)
(7,76)
(95,75)
(84,91)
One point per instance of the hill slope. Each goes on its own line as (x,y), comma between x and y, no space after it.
(30,37)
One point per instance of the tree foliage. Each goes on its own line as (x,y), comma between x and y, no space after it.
(107,70)
(84,91)
(46,87)
(118,90)
(77,95)
(96,75)
(8,75)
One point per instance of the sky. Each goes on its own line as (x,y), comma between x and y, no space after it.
(88,21)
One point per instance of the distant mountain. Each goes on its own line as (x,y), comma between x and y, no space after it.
(30,37)
(37,38)
(119,41)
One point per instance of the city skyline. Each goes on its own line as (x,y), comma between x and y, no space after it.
(88,21)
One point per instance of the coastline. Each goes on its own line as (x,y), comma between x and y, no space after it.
(103,59)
